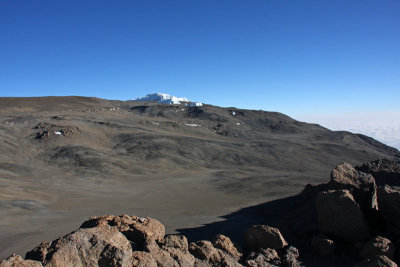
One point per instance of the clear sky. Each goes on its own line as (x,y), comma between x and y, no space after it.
(296,57)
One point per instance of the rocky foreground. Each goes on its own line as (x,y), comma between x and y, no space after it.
(352,220)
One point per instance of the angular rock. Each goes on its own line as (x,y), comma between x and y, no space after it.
(161,256)
(208,254)
(138,230)
(340,216)
(385,172)
(263,236)
(204,250)
(103,245)
(290,257)
(377,261)
(177,247)
(143,259)
(378,246)
(39,253)
(263,258)
(389,201)
(361,185)
(177,241)
(323,245)
(18,261)
(224,243)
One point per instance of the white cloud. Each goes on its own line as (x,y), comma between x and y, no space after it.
(383,126)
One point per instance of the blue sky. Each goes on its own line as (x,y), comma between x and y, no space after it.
(296,57)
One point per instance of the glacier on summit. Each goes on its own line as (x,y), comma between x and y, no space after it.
(167,99)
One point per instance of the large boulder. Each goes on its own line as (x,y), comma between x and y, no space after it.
(138,230)
(389,202)
(18,261)
(361,185)
(340,216)
(263,236)
(378,246)
(102,245)
(377,261)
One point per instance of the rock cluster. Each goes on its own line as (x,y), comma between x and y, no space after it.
(355,212)
(132,241)
(353,218)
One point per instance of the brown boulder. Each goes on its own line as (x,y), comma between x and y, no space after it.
(209,255)
(377,261)
(361,185)
(204,250)
(224,243)
(143,259)
(102,245)
(18,261)
(389,202)
(138,230)
(340,216)
(323,245)
(162,257)
(183,258)
(378,246)
(263,236)
(176,241)
(177,247)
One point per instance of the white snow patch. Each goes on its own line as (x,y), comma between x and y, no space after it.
(233,113)
(194,104)
(58,133)
(155,123)
(237,123)
(192,125)
(167,99)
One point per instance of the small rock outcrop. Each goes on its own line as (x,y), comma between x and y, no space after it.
(102,245)
(385,172)
(264,257)
(339,215)
(18,261)
(263,236)
(290,257)
(137,230)
(361,185)
(208,255)
(224,243)
(378,246)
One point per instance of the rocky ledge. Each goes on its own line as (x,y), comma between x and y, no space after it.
(351,219)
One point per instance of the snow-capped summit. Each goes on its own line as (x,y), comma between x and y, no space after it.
(167,99)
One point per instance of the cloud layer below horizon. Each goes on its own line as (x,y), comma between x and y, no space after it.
(382,126)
